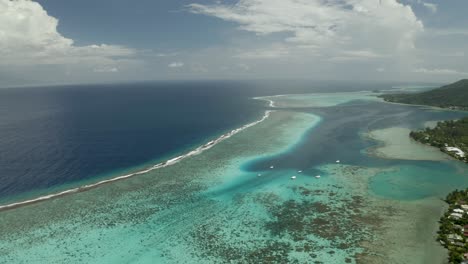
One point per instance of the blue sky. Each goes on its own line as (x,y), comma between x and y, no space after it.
(56,41)
(149,24)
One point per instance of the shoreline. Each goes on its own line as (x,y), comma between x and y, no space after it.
(199,210)
(391,141)
(432,139)
(163,164)
(426,106)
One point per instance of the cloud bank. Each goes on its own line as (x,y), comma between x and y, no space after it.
(366,39)
(28,35)
(440,71)
(175,64)
(329,27)
(313,39)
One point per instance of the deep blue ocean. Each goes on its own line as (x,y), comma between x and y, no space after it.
(65,135)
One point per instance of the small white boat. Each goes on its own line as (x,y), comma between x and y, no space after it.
(271,167)
(318,176)
(258,175)
(299,171)
(293,177)
(337,161)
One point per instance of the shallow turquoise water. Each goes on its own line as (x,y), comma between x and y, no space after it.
(215,208)
(196,214)
(412,182)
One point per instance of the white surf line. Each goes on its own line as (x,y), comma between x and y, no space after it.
(271,103)
(169,162)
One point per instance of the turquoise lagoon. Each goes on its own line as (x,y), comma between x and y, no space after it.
(237,203)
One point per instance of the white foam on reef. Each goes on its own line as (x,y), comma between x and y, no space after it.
(169,162)
(318,99)
(271,103)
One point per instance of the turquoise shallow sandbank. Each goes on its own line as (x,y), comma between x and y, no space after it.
(318,99)
(237,202)
(396,144)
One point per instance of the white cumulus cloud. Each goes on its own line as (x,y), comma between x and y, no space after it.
(368,27)
(430,6)
(106,69)
(175,64)
(440,71)
(28,35)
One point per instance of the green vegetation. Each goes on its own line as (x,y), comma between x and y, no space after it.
(450,137)
(453,230)
(454,96)
(446,134)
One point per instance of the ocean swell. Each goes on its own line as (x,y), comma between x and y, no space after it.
(169,162)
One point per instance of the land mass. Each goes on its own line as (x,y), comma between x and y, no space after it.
(453,230)
(453,96)
(450,137)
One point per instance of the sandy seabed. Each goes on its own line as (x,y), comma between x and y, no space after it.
(207,209)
